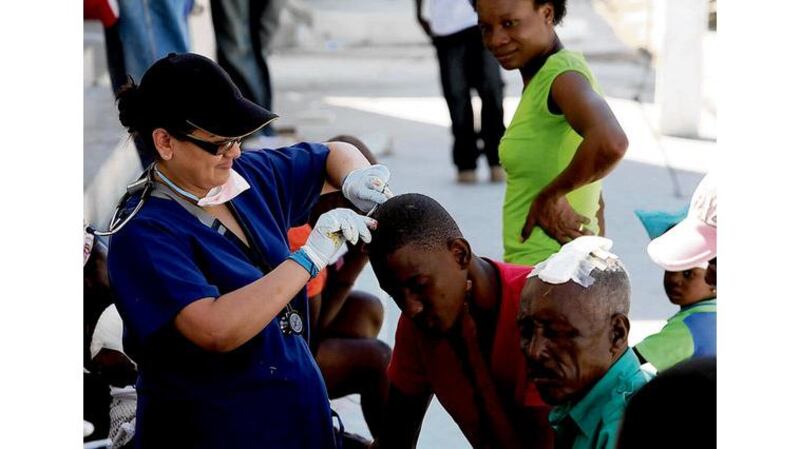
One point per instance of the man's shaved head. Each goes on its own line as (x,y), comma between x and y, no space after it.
(411,218)
(421,259)
(571,335)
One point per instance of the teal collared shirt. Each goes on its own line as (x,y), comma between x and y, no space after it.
(595,419)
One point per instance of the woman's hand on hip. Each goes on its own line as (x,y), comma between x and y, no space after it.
(556,217)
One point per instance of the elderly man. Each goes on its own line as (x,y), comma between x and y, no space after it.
(574,333)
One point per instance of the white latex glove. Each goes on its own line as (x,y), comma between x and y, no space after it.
(367,187)
(332,229)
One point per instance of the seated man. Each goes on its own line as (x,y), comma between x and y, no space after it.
(574,326)
(345,322)
(457,336)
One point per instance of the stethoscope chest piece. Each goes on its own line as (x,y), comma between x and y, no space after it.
(291,323)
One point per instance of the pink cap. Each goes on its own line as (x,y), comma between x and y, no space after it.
(693,241)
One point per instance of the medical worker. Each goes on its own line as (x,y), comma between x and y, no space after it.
(210,296)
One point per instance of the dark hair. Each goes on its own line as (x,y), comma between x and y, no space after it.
(358,143)
(675,409)
(141,118)
(559,8)
(411,219)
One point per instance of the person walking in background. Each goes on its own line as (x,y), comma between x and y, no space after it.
(464,64)
(563,138)
(137,34)
(243,29)
(150,30)
(107,12)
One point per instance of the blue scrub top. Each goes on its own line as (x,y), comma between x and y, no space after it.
(268,393)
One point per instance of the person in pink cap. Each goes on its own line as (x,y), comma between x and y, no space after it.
(693,241)
(687,251)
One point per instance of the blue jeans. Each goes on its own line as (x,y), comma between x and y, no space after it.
(465,64)
(150,30)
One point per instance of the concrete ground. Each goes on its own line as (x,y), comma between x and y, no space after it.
(386,91)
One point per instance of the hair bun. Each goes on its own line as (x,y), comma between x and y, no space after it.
(129,105)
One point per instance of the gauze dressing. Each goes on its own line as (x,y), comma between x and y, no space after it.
(576,260)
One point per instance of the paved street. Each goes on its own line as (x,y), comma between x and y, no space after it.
(389,96)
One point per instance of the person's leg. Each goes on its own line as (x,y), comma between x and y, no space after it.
(263,24)
(485,76)
(361,316)
(235,52)
(352,360)
(356,366)
(115,58)
(452,53)
(150,30)
(270,20)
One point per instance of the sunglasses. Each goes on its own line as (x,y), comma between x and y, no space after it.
(213,148)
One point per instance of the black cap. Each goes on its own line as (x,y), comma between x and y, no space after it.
(190,90)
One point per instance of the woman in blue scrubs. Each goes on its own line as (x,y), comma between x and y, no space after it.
(203,278)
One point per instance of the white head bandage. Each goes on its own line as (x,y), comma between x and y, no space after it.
(576,260)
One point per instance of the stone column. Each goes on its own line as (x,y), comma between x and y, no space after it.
(679,67)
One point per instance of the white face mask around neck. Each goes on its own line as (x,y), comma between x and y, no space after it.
(235,185)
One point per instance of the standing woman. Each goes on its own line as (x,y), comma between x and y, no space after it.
(563,138)
(203,277)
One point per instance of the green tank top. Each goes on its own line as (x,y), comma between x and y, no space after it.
(536,147)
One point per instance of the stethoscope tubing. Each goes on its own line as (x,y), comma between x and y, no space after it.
(145,184)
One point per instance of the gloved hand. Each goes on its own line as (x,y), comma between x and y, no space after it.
(331,231)
(367,187)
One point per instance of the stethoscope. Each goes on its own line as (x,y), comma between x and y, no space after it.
(144,185)
(290,322)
